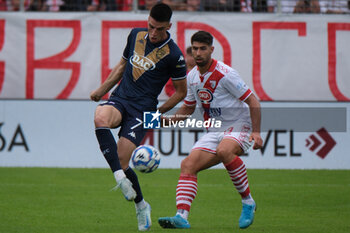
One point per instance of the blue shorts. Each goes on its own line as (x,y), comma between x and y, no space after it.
(131,126)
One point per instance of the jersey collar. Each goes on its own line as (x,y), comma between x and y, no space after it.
(210,70)
(213,65)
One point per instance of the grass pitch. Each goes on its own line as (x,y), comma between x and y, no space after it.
(49,200)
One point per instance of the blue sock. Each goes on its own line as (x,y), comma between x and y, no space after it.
(108,147)
(131,175)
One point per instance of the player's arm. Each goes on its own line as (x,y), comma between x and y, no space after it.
(112,79)
(181,114)
(255,114)
(178,96)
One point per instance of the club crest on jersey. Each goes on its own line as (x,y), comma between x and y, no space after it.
(205,95)
(141,62)
(212,83)
(160,53)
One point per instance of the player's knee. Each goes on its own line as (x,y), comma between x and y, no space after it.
(188,166)
(100,120)
(223,152)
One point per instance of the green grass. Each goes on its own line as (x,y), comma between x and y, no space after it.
(41,200)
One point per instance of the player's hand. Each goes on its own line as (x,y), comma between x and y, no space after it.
(258,142)
(95,96)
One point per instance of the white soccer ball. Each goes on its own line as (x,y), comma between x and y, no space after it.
(145,158)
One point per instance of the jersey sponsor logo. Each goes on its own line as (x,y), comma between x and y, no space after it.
(181,58)
(205,95)
(142,62)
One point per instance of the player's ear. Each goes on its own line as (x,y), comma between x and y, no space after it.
(168,28)
(211,49)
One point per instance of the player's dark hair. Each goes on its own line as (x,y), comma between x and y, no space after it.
(161,12)
(202,37)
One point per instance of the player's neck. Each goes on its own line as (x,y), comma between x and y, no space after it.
(204,69)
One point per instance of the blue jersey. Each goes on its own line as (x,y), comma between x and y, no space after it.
(148,69)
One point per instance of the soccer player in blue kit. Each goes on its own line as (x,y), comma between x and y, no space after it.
(150,58)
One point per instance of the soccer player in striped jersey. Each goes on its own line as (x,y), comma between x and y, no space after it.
(220,93)
(150,58)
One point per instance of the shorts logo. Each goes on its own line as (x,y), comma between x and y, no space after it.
(132,134)
(151,120)
(205,95)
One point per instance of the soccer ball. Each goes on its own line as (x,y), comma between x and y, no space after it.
(145,158)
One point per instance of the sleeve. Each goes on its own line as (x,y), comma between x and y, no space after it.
(169,88)
(190,98)
(178,66)
(236,86)
(126,53)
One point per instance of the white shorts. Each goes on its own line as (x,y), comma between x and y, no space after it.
(239,132)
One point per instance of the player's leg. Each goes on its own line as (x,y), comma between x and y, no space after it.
(229,149)
(125,149)
(131,135)
(201,157)
(186,189)
(107,117)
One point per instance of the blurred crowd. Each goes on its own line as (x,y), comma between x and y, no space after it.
(272,6)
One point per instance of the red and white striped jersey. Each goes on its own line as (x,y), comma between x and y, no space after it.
(219,93)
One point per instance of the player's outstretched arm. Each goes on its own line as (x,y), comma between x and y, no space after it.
(255,114)
(178,96)
(112,79)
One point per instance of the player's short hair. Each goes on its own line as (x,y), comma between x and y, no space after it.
(202,37)
(161,12)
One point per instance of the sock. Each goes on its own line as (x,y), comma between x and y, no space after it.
(140,205)
(182,213)
(238,173)
(248,200)
(108,147)
(131,175)
(186,191)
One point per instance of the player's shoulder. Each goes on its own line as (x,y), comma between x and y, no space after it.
(227,70)
(174,48)
(223,68)
(175,55)
(135,31)
(191,75)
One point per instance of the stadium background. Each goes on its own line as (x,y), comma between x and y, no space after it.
(298,65)
(51,62)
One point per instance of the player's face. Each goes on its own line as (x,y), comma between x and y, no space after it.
(157,30)
(202,53)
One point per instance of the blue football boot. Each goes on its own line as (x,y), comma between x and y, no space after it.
(174,222)
(247,215)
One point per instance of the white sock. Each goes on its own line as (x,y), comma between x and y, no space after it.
(248,200)
(119,175)
(140,205)
(183,213)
